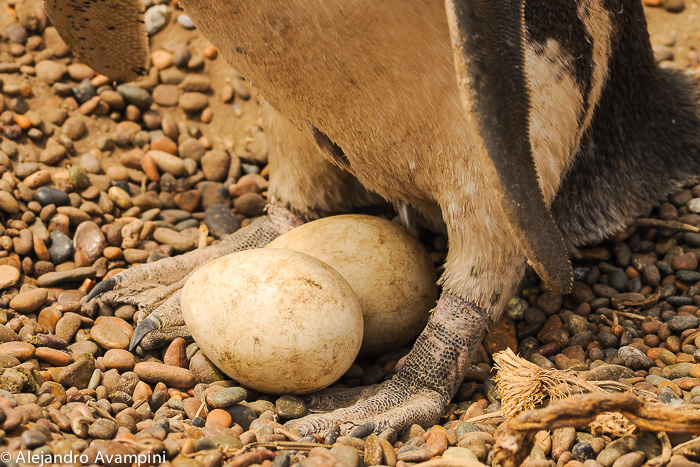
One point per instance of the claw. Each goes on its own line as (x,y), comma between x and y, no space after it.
(104,286)
(151,323)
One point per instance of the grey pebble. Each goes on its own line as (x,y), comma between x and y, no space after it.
(61,249)
(290,407)
(102,429)
(228,396)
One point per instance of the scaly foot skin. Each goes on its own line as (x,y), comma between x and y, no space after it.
(155,288)
(421,389)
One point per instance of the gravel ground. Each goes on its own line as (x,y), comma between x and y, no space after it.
(95,178)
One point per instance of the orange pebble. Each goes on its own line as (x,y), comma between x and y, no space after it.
(113,272)
(436,442)
(23,122)
(221,416)
(149,167)
(210,52)
(695,371)
(632,272)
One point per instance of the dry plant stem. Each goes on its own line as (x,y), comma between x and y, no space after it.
(665,455)
(515,442)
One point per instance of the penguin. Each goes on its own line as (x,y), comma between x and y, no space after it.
(521,128)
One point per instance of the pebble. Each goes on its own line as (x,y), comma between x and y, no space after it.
(7,335)
(8,203)
(78,374)
(250,204)
(102,429)
(135,95)
(49,195)
(74,128)
(178,240)
(632,459)
(290,407)
(610,372)
(50,71)
(682,322)
(20,350)
(229,396)
(168,162)
(118,359)
(89,240)
(347,456)
(9,276)
(109,337)
(61,247)
(456,451)
(29,301)
(54,357)
(156,18)
(68,326)
(220,221)
(152,372)
(166,95)
(193,101)
(185,21)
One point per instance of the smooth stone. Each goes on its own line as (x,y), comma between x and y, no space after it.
(29,301)
(168,162)
(178,240)
(102,429)
(78,374)
(68,326)
(61,248)
(215,165)
(47,195)
(635,358)
(8,203)
(347,456)
(681,323)
(152,372)
(109,337)
(176,354)
(9,276)
(633,459)
(193,101)
(679,370)
(72,275)
(90,240)
(20,350)
(227,397)
(241,415)
(7,335)
(221,221)
(119,359)
(57,358)
(456,451)
(610,372)
(33,439)
(290,407)
(135,95)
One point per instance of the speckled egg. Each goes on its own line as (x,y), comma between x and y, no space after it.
(388,268)
(278,321)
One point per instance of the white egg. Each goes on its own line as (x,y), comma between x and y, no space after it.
(278,321)
(388,268)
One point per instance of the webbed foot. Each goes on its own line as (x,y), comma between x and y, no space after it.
(421,389)
(154,288)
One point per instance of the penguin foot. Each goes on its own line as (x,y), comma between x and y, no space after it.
(425,383)
(154,288)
